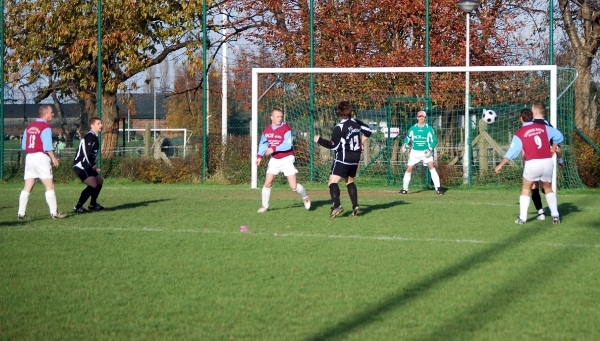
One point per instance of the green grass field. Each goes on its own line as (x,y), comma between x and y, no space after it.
(167,262)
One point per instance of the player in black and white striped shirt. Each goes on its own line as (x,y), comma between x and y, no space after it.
(347,140)
(84,165)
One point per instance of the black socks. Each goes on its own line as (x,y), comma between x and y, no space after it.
(334,190)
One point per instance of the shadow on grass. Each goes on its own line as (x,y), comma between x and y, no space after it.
(134,205)
(405,295)
(564,209)
(366,209)
(491,309)
(594,224)
(15,223)
(424,190)
(315,204)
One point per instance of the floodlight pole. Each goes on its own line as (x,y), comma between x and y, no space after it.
(99,87)
(204,93)
(224,87)
(467,6)
(128,114)
(2,90)
(154,93)
(311,115)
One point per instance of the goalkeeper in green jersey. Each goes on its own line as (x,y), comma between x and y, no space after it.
(422,138)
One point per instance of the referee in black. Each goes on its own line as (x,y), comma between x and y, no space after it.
(85,167)
(347,139)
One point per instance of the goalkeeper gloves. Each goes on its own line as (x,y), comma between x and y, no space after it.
(404,148)
(428,152)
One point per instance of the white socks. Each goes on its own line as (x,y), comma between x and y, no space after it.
(23,199)
(435,178)
(51,201)
(406,181)
(523,206)
(552,203)
(266,194)
(301,191)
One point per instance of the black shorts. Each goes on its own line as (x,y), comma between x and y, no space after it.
(85,173)
(343,170)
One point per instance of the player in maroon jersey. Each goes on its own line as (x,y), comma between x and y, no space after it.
(534,140)
(37,142)
(538,109)
(276,141)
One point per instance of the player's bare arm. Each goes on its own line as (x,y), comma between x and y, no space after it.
(363,139)
(55,162)
(500,165)
(324,142)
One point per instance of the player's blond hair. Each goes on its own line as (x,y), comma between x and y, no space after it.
(538,108)
(44,109)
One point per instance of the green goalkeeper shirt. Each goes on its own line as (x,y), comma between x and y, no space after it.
(421,138)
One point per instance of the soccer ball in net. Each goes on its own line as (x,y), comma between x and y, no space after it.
(489,116)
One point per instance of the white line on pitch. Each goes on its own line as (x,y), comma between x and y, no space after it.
(310,235)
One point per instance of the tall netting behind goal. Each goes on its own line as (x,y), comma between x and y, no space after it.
(388,99)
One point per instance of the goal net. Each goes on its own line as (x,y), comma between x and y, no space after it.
(388,99)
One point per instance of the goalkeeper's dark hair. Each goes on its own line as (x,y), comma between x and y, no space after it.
(344,109)
(526,115)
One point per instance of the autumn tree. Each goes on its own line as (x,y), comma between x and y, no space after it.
(384,33)
(184,106)
(53,45)
(581,23)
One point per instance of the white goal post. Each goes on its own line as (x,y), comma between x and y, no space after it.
(553,69)
(185,134)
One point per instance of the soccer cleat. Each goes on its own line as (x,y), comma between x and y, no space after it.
(439,191)
(519,221)
(79,209)
(541,216)
(22,217)
(403,191)
(307,203)
(58,215)
(262,209)
(96,207)
(556,220)
(336,211)
(356,211)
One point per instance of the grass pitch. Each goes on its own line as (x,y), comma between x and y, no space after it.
(168,262)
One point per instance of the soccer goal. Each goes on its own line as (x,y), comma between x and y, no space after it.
(173,143)
(388,99)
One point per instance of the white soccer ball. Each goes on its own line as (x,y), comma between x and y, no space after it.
(489,116)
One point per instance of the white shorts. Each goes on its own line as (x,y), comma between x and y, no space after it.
(284,165)
(538,169)
(38,165)
(417,156)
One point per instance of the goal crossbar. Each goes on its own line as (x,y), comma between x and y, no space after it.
(553,69)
